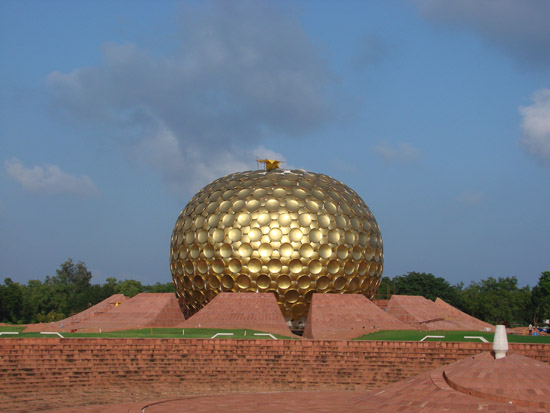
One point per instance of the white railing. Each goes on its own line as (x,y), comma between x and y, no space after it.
(266,334)
(432,337)
(52,332)
(478,337)
(221,334)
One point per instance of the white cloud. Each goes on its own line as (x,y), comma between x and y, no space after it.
(518,27)
(471,197)
(241,72)
(535,125)
(401,152)
(187,169)
(49,179)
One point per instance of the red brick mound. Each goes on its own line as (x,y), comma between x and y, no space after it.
(462,317)
(143,310)
(254,311)
(74,322)
(514,378)
(514,383)
(382,303)
(346,316)
(421,313)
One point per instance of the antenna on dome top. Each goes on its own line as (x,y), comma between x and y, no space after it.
(269,164)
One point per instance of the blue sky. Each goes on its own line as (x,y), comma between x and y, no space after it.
(114,113)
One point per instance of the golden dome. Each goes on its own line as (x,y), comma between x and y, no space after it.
(292,233)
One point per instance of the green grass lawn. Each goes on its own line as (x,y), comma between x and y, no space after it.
(388,335)
(415,335)
(154,333)
(11,328)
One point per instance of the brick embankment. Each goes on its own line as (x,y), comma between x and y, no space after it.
(47,373)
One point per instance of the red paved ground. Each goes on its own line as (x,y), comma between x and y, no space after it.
(346,316)
(254,311)
(75,321)
(479,383)
(241,402)
(143,310)
(421,313)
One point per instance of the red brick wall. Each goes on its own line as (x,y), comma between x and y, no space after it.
(52,372)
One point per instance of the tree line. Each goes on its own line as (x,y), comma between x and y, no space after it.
(70,291)
(494,300)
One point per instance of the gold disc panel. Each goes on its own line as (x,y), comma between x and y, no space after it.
(291,233)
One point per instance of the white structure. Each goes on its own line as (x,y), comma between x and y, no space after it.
(500,342)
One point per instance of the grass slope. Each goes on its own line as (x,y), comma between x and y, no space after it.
(415,335)
(154,333)
(388,335)
(11,328)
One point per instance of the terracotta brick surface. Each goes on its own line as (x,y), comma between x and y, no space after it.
(48,373)
(346,316)
(515,378)
(513,384)
(382,303)
(254,311)
(463,319)
(489,385)
(143,310)
(421,313)
(75,321)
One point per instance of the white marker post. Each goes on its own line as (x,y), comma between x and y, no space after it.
(500,342)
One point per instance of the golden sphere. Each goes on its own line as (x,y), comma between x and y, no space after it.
(292,233)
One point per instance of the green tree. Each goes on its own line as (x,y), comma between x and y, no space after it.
(36,300)
(384,290)
(48,318)
(75,276)
(129,288)
(68,292)
(424,284)
(160,288)
(110,287)
(11,301)
(540,299)
(498,301)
